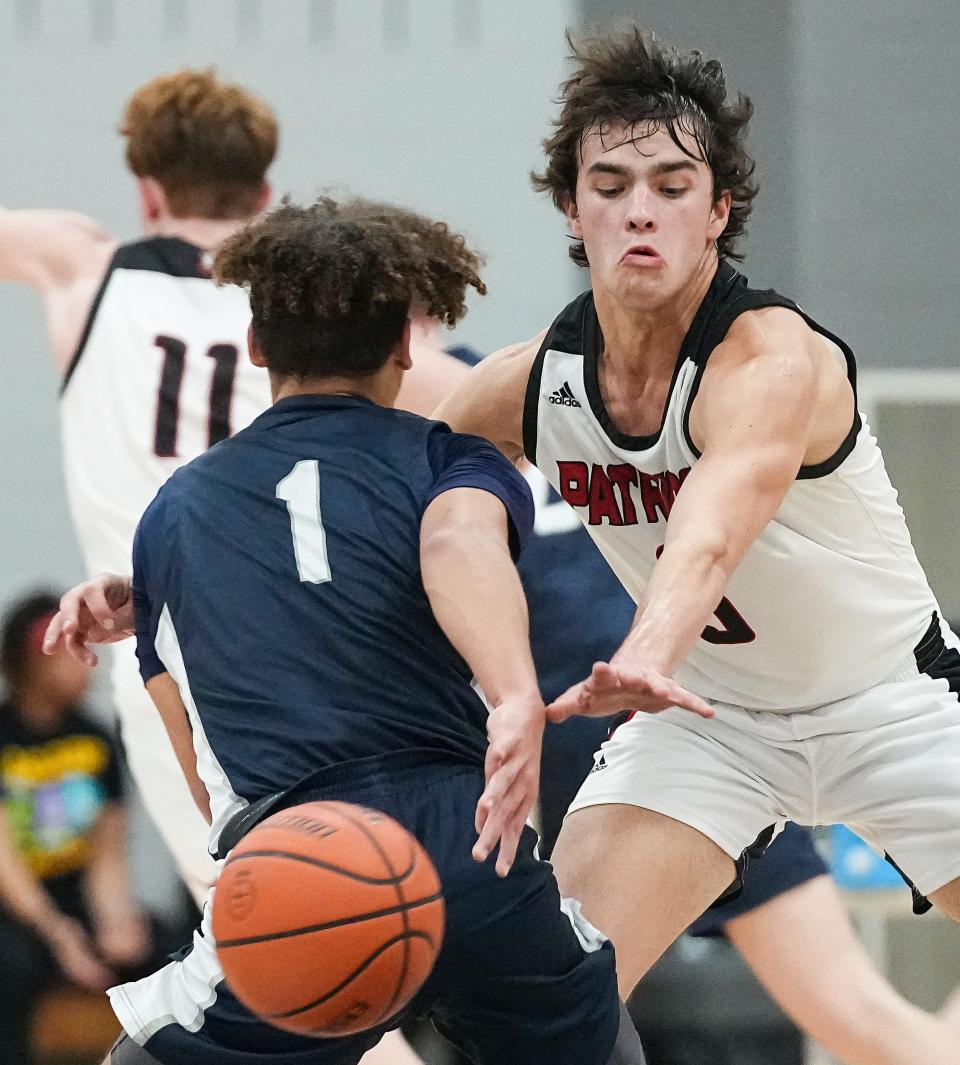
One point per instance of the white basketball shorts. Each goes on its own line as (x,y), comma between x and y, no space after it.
(885,762)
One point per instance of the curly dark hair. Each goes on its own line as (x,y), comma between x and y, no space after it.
(331,285)
(628,79)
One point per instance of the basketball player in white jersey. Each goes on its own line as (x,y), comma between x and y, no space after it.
(153,357)
(778,594)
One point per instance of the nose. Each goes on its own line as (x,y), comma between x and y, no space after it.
(639,215)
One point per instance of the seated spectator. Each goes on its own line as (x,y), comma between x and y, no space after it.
(65,907)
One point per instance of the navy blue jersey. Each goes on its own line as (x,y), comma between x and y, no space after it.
(277,579)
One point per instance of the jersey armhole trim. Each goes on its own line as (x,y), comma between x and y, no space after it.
(88,324)
(531,400)
(752,301)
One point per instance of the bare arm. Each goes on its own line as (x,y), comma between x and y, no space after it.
(476,596)
(120,930)
(761,413)
(166,697)
(489,400)
(50,249)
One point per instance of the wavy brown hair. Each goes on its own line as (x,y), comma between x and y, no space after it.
(332,284)
(208,143)
(628,80)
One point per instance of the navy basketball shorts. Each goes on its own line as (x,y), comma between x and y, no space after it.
(517,980)
(789,861)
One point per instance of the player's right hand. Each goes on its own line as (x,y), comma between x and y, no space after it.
(612,688)
(512,769)
(99,610)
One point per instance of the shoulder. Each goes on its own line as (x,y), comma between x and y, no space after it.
(55,248)
(489,401)
(771,344)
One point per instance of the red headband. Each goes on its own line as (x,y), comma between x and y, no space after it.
(36,632)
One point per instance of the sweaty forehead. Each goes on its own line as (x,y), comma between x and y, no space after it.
(646,141)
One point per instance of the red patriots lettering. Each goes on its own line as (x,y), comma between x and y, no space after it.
(573,483)
(603,499)
(606,491)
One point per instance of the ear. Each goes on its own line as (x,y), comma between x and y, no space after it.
(573,219)
(719,216)
(253,348)
(401,351)
(263,198)
(153,202)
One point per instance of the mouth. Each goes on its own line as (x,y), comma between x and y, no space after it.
(640,255)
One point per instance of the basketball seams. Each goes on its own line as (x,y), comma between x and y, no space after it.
(326,926)
(402,902)
(377,881)
(382,949)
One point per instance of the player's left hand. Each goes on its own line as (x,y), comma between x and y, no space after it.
(97,611)
(512,769)
(611,688)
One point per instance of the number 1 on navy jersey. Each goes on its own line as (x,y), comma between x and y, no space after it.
(301,491)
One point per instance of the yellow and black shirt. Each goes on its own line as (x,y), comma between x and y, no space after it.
(53,786)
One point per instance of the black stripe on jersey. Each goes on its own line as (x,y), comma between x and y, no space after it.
(161,255)
(935,659)
(719,326)
(565,334)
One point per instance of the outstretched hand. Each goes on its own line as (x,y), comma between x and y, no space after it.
(610,689)
(512,770)
(97,611)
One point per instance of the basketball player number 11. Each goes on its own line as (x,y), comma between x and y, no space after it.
(300,489)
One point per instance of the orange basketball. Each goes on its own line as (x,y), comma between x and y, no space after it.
(328,918)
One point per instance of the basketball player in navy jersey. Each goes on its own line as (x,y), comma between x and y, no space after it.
(707,435)
(152,356)
(384,539)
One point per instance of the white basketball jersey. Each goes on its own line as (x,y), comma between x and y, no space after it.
(160,375)
(828,601)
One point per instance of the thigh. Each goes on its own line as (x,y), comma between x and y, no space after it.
(640,877)
(789,861)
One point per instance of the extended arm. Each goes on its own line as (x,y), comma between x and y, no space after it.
(476,596)
(50,249)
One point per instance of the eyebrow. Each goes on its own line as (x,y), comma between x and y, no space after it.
(658,170)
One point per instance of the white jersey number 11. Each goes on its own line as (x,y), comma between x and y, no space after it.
(301,491)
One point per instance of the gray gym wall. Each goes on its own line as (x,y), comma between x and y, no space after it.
(856,140)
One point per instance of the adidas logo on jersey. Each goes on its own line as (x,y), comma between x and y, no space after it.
(564,397)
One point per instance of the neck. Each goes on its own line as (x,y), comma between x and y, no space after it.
(203,232)
(374,388)
(645,343)
(36,708)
